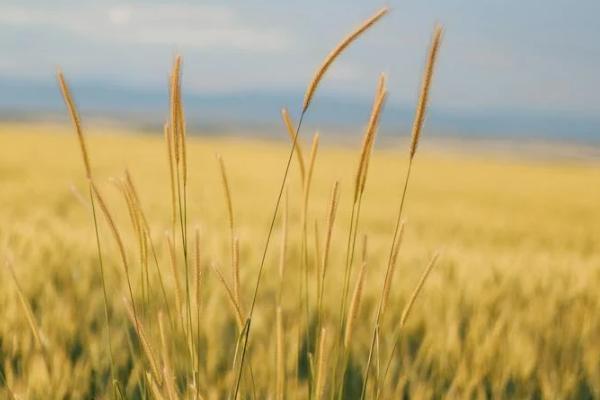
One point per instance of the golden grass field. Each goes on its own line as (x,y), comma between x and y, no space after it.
(511,310)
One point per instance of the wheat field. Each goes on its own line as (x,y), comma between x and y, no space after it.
(511,310)
(140,265)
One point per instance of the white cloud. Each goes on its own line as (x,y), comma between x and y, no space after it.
(191,26)
(119,15)
(345,72)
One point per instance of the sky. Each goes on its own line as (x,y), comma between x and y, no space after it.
(527,56)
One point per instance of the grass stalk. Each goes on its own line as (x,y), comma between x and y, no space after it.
(76,121)
(146,229)
(417,127)
(304,245)
(279,356)
(312,87)
(146,346)
(333,203)
(321,365)
(31,321)
(406,312)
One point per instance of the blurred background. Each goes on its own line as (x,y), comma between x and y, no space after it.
(510,311)
(508,69)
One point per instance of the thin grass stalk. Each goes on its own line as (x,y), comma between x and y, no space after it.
(74,114)
(378,364)
(199,275)
(416,130)
(33,325)
(309,174)
(183,136)
(406,312)
(354,306)
(389,273)
(279,357)
(103,279)
(144,239)
(154,389)
(184,224)
(369,137)
(349,326)
(418,123)
(238,346)
(413,297)
(181,197)
(237,311)
(177,125)
(146,346)
(306,195)
(78,195)
(174,106)
(170,159)
(291,133)
(321,366)
(227,192)
(120,246)
(311,372)
(333,202)
(425,88)
(317,263)
(249,374)
(236,271)
(134,356)
(145,269)
(168,375)
(385,292)
(363,164)
(178,291)
(263,258)
(306,103)
(146,229)
(294,354)
(5,384)
(129,186)
(234,242)
(137,229)
(334,54)
(346,281)
(11,395)
(365,248)
(359,185)
(283,247)
(183,221)
(72,109)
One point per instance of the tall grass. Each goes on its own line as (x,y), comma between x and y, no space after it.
(166,380)
(415,137)
(310,91)
(315,347)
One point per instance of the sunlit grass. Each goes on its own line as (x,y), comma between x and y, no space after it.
(510,311)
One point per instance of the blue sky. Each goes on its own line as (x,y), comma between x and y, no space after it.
(524,56)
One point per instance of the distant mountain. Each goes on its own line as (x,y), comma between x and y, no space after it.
(259,110)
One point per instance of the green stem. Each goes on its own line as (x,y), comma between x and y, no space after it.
(264,255)
(379,310)
(105,296)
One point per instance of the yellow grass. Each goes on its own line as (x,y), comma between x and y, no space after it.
(510,310)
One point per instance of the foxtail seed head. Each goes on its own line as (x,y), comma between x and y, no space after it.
(425,86)
(312,87)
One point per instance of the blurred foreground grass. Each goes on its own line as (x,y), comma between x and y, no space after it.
(511,311)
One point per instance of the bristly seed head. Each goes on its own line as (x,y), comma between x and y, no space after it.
(312,87)
(425,86)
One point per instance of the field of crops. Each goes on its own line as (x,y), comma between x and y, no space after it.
(510,310)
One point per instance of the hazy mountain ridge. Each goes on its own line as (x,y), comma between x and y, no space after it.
(259,110)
